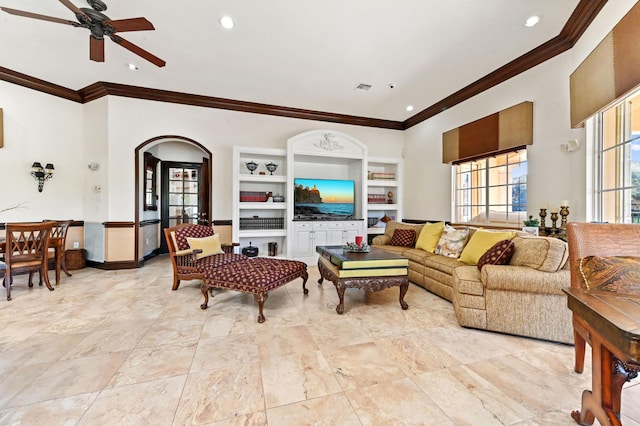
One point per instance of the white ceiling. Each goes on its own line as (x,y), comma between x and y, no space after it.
(308,54)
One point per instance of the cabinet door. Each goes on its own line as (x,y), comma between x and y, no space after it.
(319,239)
(350,235)
(304,243)
(336,237)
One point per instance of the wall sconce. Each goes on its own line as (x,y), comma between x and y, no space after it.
(41,174)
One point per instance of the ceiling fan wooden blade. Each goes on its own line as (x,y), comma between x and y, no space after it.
(38,16)
(72,7)
(138,51)
(96,49)
(133,24)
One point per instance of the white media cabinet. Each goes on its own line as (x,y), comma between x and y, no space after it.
(318,154)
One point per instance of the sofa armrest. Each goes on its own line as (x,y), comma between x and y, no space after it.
(524,279)
(381,240)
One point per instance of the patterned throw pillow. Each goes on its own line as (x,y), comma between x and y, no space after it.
(620,274)
(499,254)
(452,241)
(403,238)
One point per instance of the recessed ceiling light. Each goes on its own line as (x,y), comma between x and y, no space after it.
(532,21)
(409,107)
(227,22)
(132,67)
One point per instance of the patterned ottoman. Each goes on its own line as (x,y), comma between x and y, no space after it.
(257,276)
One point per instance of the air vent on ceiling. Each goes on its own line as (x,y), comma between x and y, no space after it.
(363,87)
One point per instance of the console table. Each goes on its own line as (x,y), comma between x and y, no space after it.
(613,320)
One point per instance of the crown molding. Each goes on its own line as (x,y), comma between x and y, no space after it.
(582,16)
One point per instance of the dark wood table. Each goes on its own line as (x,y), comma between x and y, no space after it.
(54,243)
(613,321)
(371,271)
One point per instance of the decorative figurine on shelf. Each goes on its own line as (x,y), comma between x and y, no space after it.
(389,197)
(252,166)
(271,167)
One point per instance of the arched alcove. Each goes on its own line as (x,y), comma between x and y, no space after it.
(149,222)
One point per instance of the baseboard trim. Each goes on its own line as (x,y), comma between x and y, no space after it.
(111,266)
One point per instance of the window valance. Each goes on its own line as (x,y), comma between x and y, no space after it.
(496,133)
(610,71)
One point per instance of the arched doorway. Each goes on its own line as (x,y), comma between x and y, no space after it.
(152,188)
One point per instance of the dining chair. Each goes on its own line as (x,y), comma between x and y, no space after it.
(58,242)
(26,250)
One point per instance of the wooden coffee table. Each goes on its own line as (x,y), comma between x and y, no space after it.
(372,271)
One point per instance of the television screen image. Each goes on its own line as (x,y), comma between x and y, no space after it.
(323,197)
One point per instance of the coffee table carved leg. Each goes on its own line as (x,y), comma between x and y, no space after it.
(305,277)
(260,298)
(204,290)
(340,289)
(403,290)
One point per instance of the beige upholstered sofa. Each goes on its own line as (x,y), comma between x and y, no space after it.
(523,297)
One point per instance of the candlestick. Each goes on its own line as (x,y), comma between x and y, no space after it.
(564,212)
(554,219)
(543,216)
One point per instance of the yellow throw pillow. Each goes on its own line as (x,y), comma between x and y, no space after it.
(429,236)
(208,245)
(480,242)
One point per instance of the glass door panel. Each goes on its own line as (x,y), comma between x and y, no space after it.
(183,195)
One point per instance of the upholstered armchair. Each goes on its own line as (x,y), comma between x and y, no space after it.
(596,239)
(188,258)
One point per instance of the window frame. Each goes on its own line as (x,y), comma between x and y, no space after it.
(619,209)
(484,200)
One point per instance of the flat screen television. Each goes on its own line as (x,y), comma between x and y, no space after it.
(323,198)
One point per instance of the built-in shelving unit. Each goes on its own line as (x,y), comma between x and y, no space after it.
(384,192)
(318,154)
(258,219)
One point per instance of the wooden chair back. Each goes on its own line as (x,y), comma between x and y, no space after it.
(26,249)
(600,239)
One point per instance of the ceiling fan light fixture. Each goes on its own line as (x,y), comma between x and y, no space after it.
(532,21)
(227,22)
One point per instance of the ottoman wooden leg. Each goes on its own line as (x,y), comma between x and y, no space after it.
(304,283)
(204,290)
(260,298)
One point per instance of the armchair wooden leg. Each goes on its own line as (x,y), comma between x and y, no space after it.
(579,348)
(176,283)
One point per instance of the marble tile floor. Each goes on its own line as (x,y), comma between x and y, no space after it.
(121,348)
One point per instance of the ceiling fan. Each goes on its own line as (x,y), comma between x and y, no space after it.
(100,26)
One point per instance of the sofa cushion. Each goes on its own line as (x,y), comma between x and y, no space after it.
(209,245)
(429,236)
(466,280)
(619,274)
(403,238)
(417,255)
(442,264)
(395,249)
(393,225)
(499,254)
(542,253)
(452,241)
(480,242)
